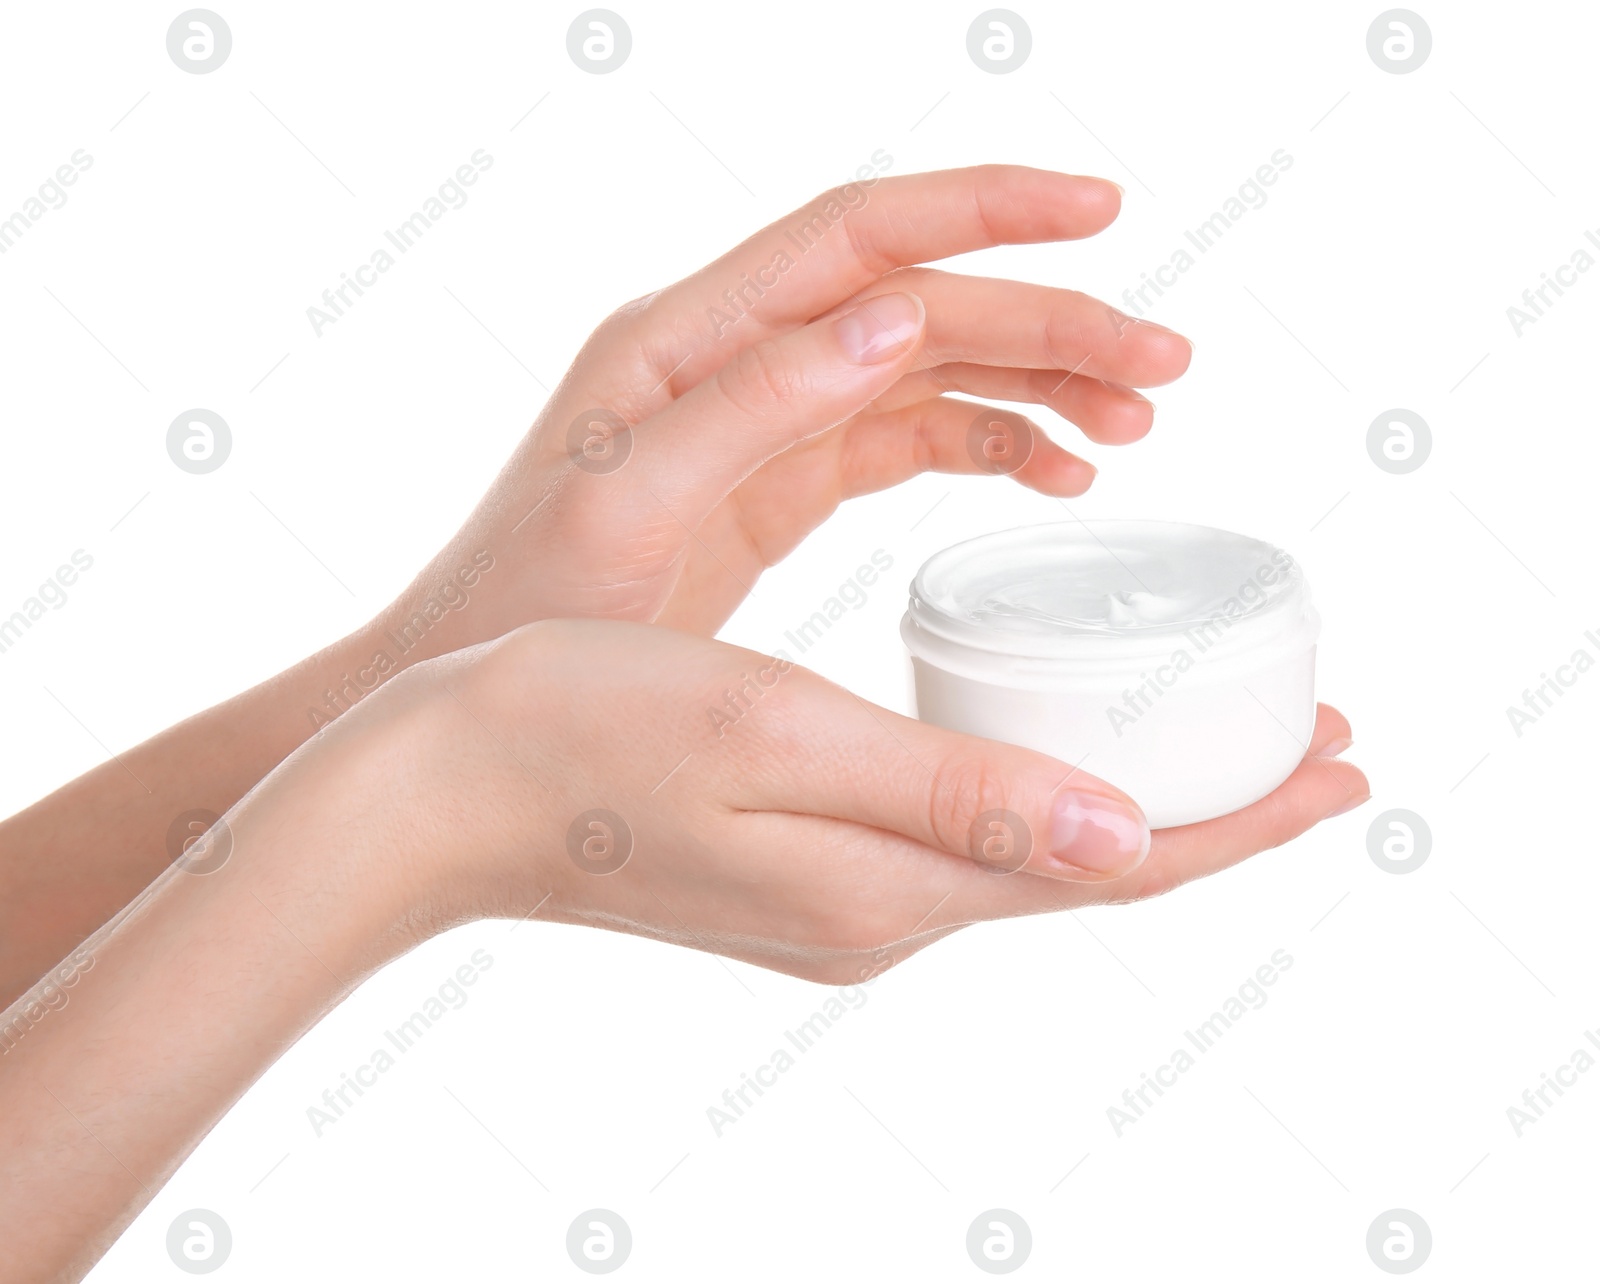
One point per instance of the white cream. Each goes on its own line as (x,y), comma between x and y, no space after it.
(1174,661)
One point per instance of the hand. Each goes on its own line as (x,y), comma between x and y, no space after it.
(575,768)
(812,834)
(746,428)
(697,438)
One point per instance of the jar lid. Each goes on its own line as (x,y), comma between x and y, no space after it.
(1103,589)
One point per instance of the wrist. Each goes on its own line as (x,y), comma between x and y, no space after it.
(442,806)
(459,749)
(442,610)
(78,856)
(354,813)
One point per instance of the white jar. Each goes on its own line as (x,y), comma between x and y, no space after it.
(1174,661)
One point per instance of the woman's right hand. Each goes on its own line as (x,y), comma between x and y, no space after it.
(645,780)
(705,429)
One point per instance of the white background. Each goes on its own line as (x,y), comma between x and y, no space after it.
(1419,1006)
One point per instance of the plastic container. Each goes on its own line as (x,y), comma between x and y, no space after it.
(1174,661)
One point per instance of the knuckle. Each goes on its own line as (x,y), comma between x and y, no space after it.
(863,249)
(967,788)
(1068,334)
(625,332)
(492,668)
(626,318)
(759,378)
(612,332)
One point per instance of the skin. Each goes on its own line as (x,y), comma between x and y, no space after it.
(814,838)
(816,834)
(742,443)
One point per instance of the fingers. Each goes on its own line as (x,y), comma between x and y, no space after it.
(1318,789)
(1017,323)
(761,522)
(845,239)
(1330,734)
(1108,413)
(771,396)
(921,892)
(996,805)
(773,510)
(1015,810)
(789,496)
(945,435)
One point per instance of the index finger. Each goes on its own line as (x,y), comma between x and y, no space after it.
(837,244)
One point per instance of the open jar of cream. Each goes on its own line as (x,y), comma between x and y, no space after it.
(1173,661)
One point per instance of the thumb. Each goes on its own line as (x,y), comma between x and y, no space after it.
(997,804)
(770,396)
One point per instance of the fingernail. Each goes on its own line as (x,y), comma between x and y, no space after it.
(1349,805)
(1336,748)
(1121,190)
(1096,835)
(880,329)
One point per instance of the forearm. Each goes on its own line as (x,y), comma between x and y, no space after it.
(108,1081)
(74,859)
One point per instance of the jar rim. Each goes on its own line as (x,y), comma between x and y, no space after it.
(1241,592)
